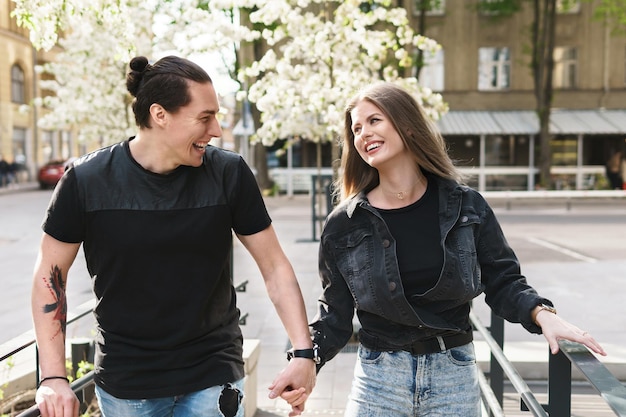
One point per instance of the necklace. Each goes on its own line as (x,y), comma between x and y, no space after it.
(400,195)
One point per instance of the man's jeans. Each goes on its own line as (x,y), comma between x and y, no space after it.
(399,384)
(218,401)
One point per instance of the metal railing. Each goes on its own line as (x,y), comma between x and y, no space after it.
(559,376)
(606,384)
(81,384)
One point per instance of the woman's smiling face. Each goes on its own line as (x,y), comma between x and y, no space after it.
(375,137)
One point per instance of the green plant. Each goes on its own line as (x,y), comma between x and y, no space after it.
(9,365)
(84,367)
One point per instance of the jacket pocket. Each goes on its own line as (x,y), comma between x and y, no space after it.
(461,245)
(354,255)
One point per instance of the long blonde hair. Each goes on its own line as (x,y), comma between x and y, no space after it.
(418,132)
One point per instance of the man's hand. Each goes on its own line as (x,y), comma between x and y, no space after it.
(55,398)
(294,384)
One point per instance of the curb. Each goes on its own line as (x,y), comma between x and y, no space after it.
(19,188)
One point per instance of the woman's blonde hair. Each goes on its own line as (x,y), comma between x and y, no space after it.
(418,132)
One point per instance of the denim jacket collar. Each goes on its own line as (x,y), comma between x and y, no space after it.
(450,194)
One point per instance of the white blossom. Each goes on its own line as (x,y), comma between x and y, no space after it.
(320,53)
(321,57)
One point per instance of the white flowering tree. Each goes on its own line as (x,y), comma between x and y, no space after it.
(320,53)
(100,37)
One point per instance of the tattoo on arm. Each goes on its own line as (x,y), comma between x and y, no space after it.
(56,286)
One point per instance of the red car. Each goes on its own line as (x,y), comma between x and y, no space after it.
(50,173)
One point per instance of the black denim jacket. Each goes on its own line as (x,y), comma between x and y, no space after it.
(359,270)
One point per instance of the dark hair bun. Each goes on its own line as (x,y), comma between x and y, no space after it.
(139,63)
(138,66)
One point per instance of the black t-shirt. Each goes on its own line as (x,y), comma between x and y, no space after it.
(158,251)
(415,229)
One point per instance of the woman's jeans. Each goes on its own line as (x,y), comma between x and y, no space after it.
(400,384)
(218,401)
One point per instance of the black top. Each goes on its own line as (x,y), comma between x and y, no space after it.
(416,231)
(158,250)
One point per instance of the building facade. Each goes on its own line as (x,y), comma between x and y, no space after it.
(483,72)
(22,143)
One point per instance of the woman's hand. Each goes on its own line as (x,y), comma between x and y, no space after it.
(554,328)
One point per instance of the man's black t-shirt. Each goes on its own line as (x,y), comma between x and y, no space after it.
(158,251)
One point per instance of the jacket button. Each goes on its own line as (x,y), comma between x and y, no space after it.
(386,243)
(392,286)
(464,219)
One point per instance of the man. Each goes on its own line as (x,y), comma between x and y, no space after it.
(155,216)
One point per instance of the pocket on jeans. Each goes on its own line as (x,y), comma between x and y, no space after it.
(462,355)
(369,356)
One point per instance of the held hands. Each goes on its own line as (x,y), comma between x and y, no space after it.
(555,328)
(55,398)
(300,372)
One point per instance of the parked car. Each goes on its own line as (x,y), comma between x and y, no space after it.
(50,173)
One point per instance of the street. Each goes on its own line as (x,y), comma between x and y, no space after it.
(574,257)
(21,214)
(584,247)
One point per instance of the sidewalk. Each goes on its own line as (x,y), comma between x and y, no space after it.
(599,305)
(19,188)
(292,221)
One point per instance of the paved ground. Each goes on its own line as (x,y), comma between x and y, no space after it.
(292,220)
(579,264)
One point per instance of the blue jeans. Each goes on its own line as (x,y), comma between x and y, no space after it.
(218,401)
(399,384)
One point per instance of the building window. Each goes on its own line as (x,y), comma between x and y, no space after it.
(19,146)
(564,150)
(433,7)
(18,86)
(432,74)
(567,6)
(498,7)
(47,145)
(509,150)
(564,75)
(494,69)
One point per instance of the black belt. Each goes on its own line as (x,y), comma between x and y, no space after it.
(420,347)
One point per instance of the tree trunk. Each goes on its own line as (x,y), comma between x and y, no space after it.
(542,64)
(260,163)
(259,151)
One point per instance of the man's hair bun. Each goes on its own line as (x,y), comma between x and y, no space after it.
(138,67)
(139,63)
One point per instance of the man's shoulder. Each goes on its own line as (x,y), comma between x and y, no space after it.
(216,155)
(102,156)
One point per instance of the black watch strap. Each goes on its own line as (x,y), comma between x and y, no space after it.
(304,353)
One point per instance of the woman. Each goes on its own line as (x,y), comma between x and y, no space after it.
(155,214)
(409,247)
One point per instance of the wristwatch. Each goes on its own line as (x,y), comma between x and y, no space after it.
(543,307)
(305,353)
(547,308)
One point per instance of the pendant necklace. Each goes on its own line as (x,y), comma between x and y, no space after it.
(400,195)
